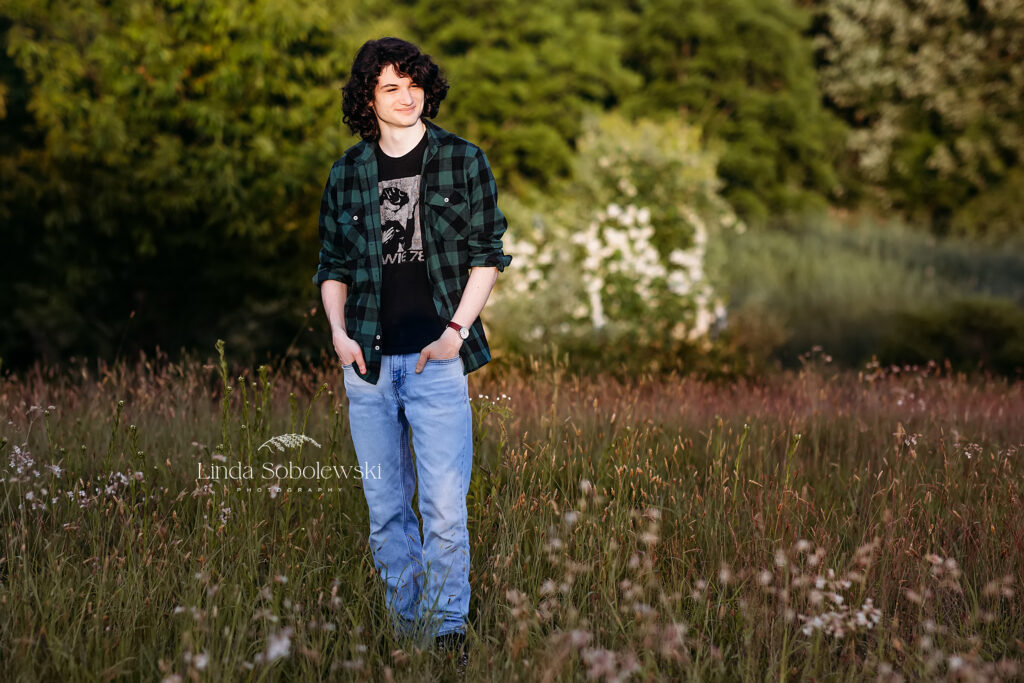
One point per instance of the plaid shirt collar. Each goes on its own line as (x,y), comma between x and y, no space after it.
(363,153)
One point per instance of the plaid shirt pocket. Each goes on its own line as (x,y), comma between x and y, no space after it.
(355,242)
(449,209)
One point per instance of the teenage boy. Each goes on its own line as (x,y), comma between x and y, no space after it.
(410,248)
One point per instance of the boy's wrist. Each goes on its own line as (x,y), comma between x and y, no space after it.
(450,333)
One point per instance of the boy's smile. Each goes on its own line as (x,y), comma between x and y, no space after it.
(397,101)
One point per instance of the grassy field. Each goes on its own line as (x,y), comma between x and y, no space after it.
(815,525)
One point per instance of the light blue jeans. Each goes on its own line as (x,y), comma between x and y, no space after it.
(426,581)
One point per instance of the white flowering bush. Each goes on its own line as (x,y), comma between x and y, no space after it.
(621,253)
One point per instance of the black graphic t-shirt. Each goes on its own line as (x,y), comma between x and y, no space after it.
(409,320)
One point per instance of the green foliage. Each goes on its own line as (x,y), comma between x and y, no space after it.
(157,152)
(615,259)
(969,333)
(934,92)
(995,215)
(161,165)
(522,77)
(858,290)
(743,71)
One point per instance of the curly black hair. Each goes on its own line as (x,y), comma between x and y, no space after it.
(408,60)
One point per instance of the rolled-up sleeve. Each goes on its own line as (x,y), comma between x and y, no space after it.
(487,223)
(333,264)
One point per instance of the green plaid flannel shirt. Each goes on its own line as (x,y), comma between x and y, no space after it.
(462,228)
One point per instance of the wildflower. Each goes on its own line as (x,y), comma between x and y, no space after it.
(724,575)
(600,663)
(649,538)
(1002,587)
(266,614)
(278,645)
(653,514)
(21,460)
(204,490)
(642,609)
(199,661)
(578,638)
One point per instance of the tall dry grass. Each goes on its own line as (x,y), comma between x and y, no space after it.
(810,525)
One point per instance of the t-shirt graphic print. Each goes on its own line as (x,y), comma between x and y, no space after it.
(400,220)
(409,319)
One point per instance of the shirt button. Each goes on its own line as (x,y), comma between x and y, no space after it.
(376,348)
(355,218)
(446,200)
(378,336)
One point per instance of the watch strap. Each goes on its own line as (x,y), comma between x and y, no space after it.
(462,331)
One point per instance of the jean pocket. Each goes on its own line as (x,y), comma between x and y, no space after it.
(442,361)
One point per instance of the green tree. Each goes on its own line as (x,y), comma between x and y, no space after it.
(166,158)
(744,71)
(522,77)
(934,92)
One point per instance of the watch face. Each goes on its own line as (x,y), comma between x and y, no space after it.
(464,333)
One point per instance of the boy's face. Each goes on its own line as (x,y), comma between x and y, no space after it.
(397,101)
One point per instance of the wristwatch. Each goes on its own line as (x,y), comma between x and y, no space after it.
(463,331)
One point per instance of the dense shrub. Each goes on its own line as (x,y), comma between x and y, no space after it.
(975,333)
(613,264)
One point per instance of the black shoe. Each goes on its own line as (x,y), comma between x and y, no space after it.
(454,642)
